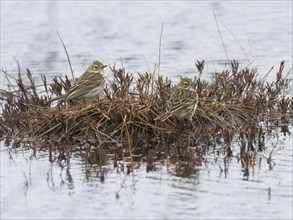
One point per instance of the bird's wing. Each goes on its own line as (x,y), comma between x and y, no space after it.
(82,86)
(183,99)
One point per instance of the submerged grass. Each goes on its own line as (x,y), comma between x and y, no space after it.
(235,106)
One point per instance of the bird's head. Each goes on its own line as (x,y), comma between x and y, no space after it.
(185,83)
(96,66)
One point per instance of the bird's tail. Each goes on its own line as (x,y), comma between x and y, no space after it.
(56,98)
(163,117)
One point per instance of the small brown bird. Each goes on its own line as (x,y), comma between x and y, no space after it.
(88,86)
(183,101)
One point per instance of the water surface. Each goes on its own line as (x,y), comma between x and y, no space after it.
(36,189)
(256,33)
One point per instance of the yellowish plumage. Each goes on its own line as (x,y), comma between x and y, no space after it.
(88,86)
(183,101)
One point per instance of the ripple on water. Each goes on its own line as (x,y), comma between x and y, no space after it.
(38,185)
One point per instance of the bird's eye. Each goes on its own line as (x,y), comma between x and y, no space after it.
(96,67)
(185,83)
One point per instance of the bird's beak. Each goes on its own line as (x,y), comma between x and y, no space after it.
(104,66)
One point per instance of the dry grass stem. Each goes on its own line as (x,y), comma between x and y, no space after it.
(234,106)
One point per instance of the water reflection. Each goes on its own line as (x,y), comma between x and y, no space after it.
(181,189)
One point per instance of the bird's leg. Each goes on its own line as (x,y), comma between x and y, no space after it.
(180,124)
(192,125)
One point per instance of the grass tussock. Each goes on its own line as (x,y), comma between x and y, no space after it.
(235,105)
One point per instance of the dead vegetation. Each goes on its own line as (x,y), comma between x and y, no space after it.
(236,105)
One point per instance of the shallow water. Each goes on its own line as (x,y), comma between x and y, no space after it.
(35,188)
(256,33)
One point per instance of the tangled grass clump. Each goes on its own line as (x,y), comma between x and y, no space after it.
(236,105)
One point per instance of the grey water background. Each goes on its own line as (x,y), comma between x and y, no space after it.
(256,33)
